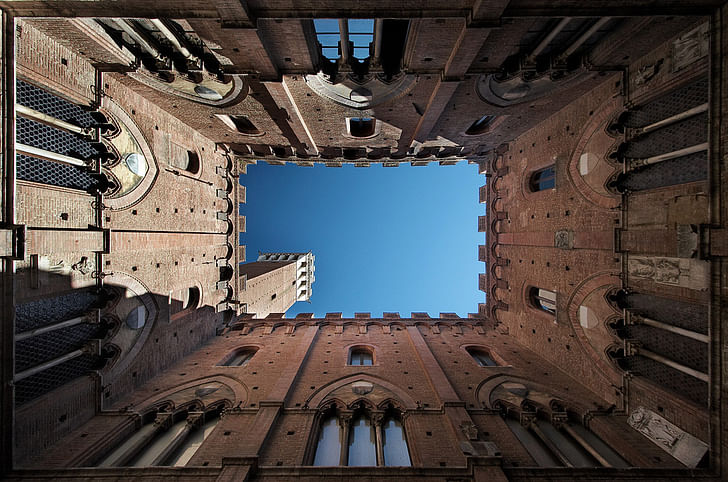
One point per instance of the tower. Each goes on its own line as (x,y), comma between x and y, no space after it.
(277,280)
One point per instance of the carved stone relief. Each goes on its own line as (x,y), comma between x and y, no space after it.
(683,272)
(690,47)
(678,443)
(564,239)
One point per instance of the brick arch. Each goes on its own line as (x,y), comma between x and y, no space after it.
(578,295)
(484,391)
(128,282)
(597,124)
(137,194)
(239,389)
(316,398)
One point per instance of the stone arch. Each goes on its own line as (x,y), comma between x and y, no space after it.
(141,190)
(235,393)
(317,398)
(598,141)
(146,299)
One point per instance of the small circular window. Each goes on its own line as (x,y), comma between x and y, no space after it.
(137,317)
(207,93)
(137,163)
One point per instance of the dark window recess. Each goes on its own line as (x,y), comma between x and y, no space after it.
(543,179)
(480,126)
(543,299)
(362,126)
(394,37)
(193,162)
(243,124)
(273,296)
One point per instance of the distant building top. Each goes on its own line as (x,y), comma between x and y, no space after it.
(305,270)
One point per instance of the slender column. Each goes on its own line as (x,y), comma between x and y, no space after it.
(161,424)
(123,25)
(194,420)
(671,328)
(546,41)
(344,40)
(378,26)
(377,419)
(633,163)
(87,318)
(551,446)
(49,364)
(49,155)
(666,361)
(584,37)
(592,451)
(170,35)
(671,120)
(345,424)
(46,119)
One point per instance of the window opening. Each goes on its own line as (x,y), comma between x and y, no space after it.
(481,357)
(480,126)
(544,300)
(362,443)
(361,35)
(239,358)
(328,450)
(543,179)
(361,357)
(394,444)
(328,35)
(361,126)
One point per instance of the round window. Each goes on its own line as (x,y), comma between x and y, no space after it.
(137,317)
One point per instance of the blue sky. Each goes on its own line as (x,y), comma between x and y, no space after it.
(385,239)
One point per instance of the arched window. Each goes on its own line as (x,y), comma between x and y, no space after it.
(361,126)
(362,443)
(543,179)
(137,317)
(481,357)
(328,450)
(239,123)
(480,126)
(369,440)
(564,444)
(543,300)
(192,298)
(193,162)
(172,440)
(394,444)
(361,356)
(238,358)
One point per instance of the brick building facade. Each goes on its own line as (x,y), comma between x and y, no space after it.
(136,341)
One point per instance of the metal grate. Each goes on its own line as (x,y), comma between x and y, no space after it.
(45,381)
(53,173)
(47,346)
(46,311)
(690,316)
(667,173)
(686,351)
(689,132)
(669,378)
(47,103)
(46,137)
(673,103)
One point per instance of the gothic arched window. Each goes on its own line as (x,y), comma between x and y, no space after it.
(481,357)
(543,179)
(542,299)
(370,439)
(238,358)
(480,126)
(169,440)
